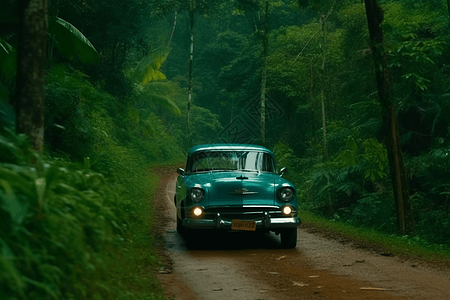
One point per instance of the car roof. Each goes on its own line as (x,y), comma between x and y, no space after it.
(232,147)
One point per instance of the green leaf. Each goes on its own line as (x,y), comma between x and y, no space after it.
(8,59)
(7,264)
(153,75)
(133,114)
(11,204)
(163,101)
(18,181)
(69,40)
(148,68)
(381,174)
(7,114)
(42,286)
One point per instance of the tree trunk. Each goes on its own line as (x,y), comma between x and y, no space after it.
(392,137)
(173,29)
(448,7)
(322,89)
(191,70)
(29,101)
(50,46)
(311,97)
(264,74)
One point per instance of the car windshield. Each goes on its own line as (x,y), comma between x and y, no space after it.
(251,161)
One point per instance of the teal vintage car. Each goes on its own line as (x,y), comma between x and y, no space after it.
(235,187)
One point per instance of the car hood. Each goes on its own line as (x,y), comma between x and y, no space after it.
(238,188)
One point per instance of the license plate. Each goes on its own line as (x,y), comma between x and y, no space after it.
(243,225)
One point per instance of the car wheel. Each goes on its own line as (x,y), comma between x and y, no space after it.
(180,228)
(289,238)
(179,225)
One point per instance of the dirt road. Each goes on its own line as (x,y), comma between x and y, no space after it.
(252,266)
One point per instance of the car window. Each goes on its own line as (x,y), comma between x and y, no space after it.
(231,160)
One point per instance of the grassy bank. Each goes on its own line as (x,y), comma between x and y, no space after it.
(133,267)
(67,232)
(409,246)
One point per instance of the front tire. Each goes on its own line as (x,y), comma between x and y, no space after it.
(179,225)
(289,238)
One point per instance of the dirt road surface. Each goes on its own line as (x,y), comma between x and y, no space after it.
(252,266)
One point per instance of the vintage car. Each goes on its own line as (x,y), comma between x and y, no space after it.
(235,187)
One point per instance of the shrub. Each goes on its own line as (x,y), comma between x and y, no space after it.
(55,220)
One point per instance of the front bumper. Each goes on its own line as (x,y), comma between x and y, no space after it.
(265,223)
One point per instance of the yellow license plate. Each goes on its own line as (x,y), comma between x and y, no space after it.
(243,225)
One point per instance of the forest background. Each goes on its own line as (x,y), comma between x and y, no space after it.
(111,115)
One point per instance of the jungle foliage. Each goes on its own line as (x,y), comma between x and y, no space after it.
(354,184)
(116,86)
(75,220)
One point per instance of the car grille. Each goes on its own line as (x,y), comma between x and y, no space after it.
(244,212)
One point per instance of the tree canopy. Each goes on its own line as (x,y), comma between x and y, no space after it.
(118,75)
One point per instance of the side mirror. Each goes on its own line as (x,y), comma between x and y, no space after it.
(181,171)
(282,170)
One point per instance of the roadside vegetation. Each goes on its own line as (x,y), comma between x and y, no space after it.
(68,232)
(404,246)
(123,93)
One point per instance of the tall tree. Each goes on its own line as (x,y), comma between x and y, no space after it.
(29,101)
(323,8)
(323,20)
(258,13)
(392,137)
(173,29)
(192,7)
(191,67)
(265,42)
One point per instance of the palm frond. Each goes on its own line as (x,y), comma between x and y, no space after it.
(161,87)
(69,40)
(163,101)
(148,68)
(371,124)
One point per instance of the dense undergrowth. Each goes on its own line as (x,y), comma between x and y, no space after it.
(75,223)
(67,232)
(59,222)
(354,188)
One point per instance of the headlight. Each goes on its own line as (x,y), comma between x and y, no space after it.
(286,194)
(287,210)
(197,194)
(197,211)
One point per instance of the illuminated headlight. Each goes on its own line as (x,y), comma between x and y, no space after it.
(197,211)
(286,194)
(287,210)
(197,194)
